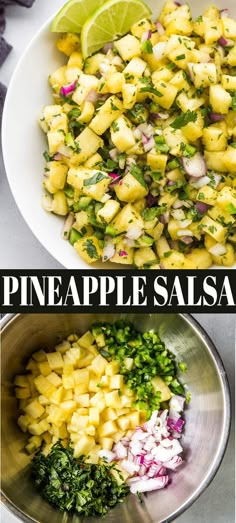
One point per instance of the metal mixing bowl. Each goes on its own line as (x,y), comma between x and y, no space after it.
(207,417)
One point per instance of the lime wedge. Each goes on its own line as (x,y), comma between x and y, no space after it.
(73,14)
(113,19)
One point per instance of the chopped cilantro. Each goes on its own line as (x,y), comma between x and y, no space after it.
(137,173)
(180,57)
(113,106)
(97,177)
(150,89)
(184,119)
(147,46)
(167,254)
(91,249)
(230,208)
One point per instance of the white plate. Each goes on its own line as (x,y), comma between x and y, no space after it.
(24,143)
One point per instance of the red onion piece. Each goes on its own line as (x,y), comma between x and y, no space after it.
(123,253)
(216,117)
(57,157)
(187,240)
(107,47)
(195,166)
(174,245)
(146,35)
(177,204)
(159,50)
(67,89)
(170,183)
(164,218)
(145,138)
(67,226)
(202,207)
(218,249)
(151,200)
(160,28)
(149,144)
(108,251)
(115,179)
(113,153)
(92,96)
(224,13)
(225,42)
(199,182)
(149,484)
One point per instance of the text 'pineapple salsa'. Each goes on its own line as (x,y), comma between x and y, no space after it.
(142,143)
(103,412)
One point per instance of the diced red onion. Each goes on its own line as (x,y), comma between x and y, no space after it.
(218,249)
(178,4)
(149,484)
(149,144)
(164,218)
(123,253)
(113,153)
(160,28)
(224,13)
(187,240)
(57,157)
(195,166)
(65,151)
(225,42)
(160,116)
(185,223)
(115,178)
(92,96)
(146,35)
(108,251)
(67,89)
(159,50)
(177,204)
(142,470)
(120,450)
(202,207)
(151,200)
(216,117)
(177,403)
(174,245)
(173,463)
(170,183)
(134,232)
(175,425)
(67,226)
(107,47)
(201,182)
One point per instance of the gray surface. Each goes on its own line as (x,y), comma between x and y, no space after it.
(216,504)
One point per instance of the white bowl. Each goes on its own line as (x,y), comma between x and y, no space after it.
(24,142)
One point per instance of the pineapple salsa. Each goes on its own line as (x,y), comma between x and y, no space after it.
(102,407)
(141,153)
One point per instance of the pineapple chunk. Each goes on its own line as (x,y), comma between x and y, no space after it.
(68,43)
(54,379)
(215,161)
(87,112)
(230,159)
(88,143)
(55,140)
(129,95)
(135,67)
(214,229)
(84,445)
(207,195)
(55,360)
(99,364)
(106,443)
(121,134)
(123,253)
(21,381)
(59,204)
(44,368)
(112,399)
(44,386)
(227,259)
(128,47)
(81,377)
(160,386)
(123,422)
(228,82)
(108,211)
(229,27)
(134,419)
(22,393)
(112,368)
(115,82)
(86,84)
(109,112)
(200,258)
(116,382)
(107,429)
(89,249)
(86,340)
(109,414)
(75,59)
(226,200)
(34,409)
(127,217)
(157,161)
(83,400)
(214,139)
(144,255)
(129,189)
(94,416)
(219,99)
(166,94)
(58,79)
(203,75)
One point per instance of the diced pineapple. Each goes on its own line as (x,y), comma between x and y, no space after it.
(21,381)
(33,444)
(81,376)
(87,144)
(123,422)
(54,379)
(128,47)
(203,75)
(207,195)
(214,229)
(89,249)
(84,445)
(229,27)
(143,256)
(189,103)
(44,386)
(121,134)
(55,360)
(86,84)
(106,443)
(215,161)
(123,253)
(59,204)
(219,99)
(160,386)
(34,409)
(228,82)
(200,258)
(127,217)
(129,189)
(44,368)
(55,398)
(129,95)
(108,211)
(22,393)
(68,43)
(99,364)
(58,79)
(94,416)
(112,399)
(112,368)
(115,82)
(55,140)
(107,429)
(141,26)
(230,159)
(231,57)
(227,259)
(134,419)
(157,161)
(166,94)
(87,112)
(109,112)
(116,381)
(92,63)
(214,139)
(226,200)
(93,161)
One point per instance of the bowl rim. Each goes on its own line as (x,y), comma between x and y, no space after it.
(195,325)
(21,207)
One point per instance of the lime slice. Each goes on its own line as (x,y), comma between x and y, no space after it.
(71,18)
(113,19)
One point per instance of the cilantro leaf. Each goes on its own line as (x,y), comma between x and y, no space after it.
(184,119)
(91,249)
(138,174)
(97,177)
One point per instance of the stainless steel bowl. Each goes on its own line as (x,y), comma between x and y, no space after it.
(207,417)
